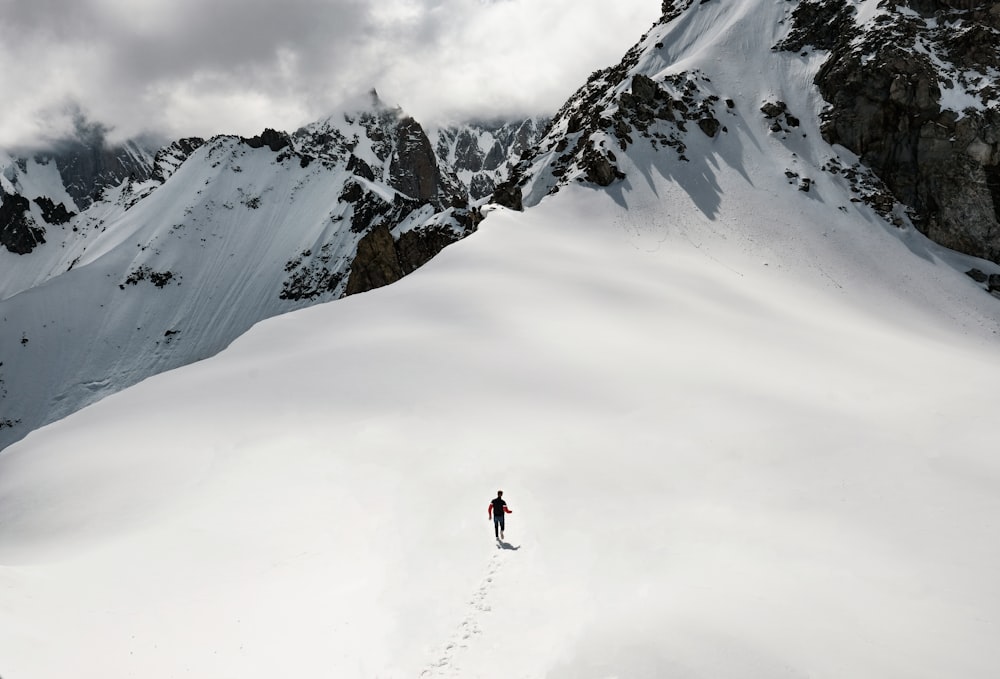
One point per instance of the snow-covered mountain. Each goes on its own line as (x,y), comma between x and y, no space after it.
(739,406)
(898,103)
(48,188)
(482,153)
(890,109)
(170,266)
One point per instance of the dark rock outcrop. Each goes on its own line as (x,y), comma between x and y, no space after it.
(52,213)
(170,157)
(418,246)
(993,283)
(886,105)
(509,195)
(481,153)
(87,168)
(414,168)
(18,231)
(270,138)
(376,263)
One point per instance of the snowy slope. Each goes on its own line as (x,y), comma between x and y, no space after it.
(745,430)
(716,467)
(168,271)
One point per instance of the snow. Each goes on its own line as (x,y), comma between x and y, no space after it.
(745,431)
(719,464)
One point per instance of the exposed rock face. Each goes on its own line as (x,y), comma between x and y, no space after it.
(612,111)
(890,84)
(270,138)
(89,168)
(509,195)
(52,213)
(376,263)
(18,231)
(381,260)
(170,157)
(414,169)
(418,246)
(429,198)
(482,153)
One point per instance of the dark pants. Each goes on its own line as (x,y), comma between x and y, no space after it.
(497,523)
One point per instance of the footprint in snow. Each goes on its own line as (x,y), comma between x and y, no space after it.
(467,629)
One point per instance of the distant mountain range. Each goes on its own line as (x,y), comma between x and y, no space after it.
(121,262)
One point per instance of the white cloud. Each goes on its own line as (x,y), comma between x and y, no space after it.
(188,67)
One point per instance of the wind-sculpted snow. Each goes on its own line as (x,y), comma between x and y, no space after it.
(733,447)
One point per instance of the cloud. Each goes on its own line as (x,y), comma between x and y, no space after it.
(189,67)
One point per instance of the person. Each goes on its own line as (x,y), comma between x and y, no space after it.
(497,508)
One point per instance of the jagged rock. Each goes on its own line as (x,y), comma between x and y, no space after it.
(351,193)
(467,155)
(481,153)
(886,106)
(773,109)
(369,209)
(821,23)
(644,88)
(376,263)
(710,126)
(977,275)
(495,157)
(414,169)
(509,195)
(481,186)
(89,166)
(270,138)
(418,246)
(52,213)
(360,168)
(170,157)
(18,232)
(600,170)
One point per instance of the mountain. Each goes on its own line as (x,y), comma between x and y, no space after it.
(482,153)
(899,104)
(174,262)
(50,187)
(743,421)
(889,112)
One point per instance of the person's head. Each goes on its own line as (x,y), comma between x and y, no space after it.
(499,493)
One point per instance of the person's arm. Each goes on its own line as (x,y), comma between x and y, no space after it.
(507,509)
(489,510)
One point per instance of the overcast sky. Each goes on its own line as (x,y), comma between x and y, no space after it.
(202,67)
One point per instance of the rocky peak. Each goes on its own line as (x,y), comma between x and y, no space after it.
(170,157)
(615,108)
(482,153)
(414,169)
(87,169)
(270,138)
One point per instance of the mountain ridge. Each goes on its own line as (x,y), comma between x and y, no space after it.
(685,102)
(171,264)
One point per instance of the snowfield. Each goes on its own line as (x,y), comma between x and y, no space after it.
(746,431)
(718,466)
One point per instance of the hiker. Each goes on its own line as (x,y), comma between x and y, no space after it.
(497,508)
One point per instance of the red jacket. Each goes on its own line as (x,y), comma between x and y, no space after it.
(489,510)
